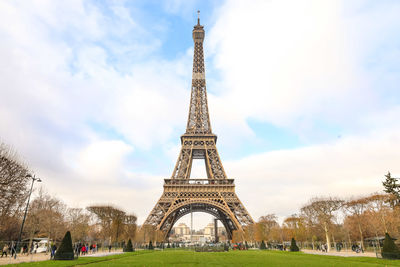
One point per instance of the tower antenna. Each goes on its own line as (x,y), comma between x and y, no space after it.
(198,17)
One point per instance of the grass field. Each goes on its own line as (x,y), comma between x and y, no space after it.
(232,258)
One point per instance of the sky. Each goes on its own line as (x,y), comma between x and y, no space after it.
(303,95)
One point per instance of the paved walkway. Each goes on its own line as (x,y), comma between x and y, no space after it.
(44,257)
(25,258)
(100,254)
(341,253)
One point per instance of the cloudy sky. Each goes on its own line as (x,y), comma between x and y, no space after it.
(303,95)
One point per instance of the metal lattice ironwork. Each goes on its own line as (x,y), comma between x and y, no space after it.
(216,193)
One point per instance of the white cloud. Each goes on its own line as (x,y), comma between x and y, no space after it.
(277,57)
(58,87)
(281,181)
(102,160)
(296,64)
(69,67)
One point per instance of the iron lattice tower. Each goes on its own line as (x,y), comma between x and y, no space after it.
(216,193)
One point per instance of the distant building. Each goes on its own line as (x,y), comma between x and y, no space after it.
(182,229)
(209,230)
(181,233)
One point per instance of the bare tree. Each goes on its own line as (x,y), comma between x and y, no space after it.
(294,226)
(250,232)
(321,211)
(78,221)
(356,208)
(130,226)
(118,218)
(380,207)
(146,234)
(46,217)
(13,190)
(268,228)
(113,221)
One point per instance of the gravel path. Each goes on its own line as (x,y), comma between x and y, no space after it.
(341,254)
(100,254)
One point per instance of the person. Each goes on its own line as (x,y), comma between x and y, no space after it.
(77,250)
(25,249)
(109,248)
(4,251)
(53,251)
(13,251)
(338,246)
(83,250)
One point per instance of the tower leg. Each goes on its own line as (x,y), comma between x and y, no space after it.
(191,226)
(216,230)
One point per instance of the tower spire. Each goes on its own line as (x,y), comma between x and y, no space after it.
(199,119)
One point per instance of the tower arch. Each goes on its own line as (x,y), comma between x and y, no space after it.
(218,211)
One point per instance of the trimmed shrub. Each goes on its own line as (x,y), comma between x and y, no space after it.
(168,246)
(151,245)
(65,251)
(129,247)
(293,246)
(389,249)
(262,245)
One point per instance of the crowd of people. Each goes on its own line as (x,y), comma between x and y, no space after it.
(8,248)
(339,246)
(81,249)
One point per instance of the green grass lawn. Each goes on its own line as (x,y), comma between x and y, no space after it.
(232,258)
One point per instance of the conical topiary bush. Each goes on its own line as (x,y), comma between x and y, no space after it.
(389,249)
(129,247)
(65,251)
(151,245)
(262,245)
(293,246)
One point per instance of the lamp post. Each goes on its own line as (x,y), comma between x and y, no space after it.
(26,211)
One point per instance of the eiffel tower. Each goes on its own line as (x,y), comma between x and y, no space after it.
(216,193)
